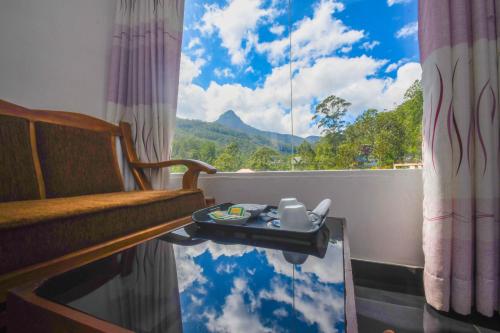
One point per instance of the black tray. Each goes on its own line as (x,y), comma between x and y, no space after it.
(193,235)
(257,227)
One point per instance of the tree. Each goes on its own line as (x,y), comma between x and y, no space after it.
(330,113)
(325,152)
(410,116)
(208,152)
(359,139)
(329,117)
(389,140)
(306,157)
(230,159)
(265,159)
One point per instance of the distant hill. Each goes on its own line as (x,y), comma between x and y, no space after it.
(231,120)
(230,128)
(312,139)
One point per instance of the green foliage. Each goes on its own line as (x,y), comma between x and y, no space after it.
(330,114)
(265,158)
(410,116)
(373,140)
(306,159)
(230,159)
(388,146)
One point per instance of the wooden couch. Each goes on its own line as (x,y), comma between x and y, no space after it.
(61,189)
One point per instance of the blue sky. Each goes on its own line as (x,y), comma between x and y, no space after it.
(239,288)
(235,56)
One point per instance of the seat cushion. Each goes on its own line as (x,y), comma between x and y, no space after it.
(34,231)
(17,172)
(76,161)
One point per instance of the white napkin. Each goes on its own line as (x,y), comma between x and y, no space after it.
(321,210)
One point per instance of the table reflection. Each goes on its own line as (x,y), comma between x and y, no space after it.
(182,283)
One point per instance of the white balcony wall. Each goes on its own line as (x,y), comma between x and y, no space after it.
(383,208)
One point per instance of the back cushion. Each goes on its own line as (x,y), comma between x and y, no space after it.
(76,161)
(17,172)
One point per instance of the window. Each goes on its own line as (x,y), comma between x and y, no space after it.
(345,95)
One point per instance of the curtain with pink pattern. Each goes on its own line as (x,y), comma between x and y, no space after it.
(459,45)
(144,76)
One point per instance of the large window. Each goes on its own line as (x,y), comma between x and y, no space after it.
(345,95)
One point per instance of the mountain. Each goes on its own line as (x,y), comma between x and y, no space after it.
(312,139)
(230,119)
(193,136)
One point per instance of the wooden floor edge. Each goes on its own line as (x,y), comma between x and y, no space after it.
(84,256)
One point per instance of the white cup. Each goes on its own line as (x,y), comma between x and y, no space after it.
(294,217)
(286,202)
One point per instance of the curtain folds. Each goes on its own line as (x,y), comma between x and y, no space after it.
(143,83)
(459,48)
(143,77)
(146,296)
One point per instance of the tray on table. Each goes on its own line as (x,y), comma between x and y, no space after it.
(259,227)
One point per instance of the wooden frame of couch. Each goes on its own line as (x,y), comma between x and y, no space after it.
(123,131)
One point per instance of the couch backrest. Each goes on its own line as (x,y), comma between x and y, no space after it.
(55,154)
(76,161)
(18,180)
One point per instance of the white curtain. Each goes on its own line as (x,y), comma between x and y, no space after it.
(143,83)
(143,78)
(459,45)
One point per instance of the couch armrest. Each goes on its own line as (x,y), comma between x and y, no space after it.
(190,178)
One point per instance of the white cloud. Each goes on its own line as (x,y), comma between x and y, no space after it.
(194,43)
(235,24)
(198,53)
(393,2)
(188,272)
(225,268)
(346,49)
(317,303)
(408,30)
(249,69)
(236,315)
(280,313)
(317,71)
(223,73)
(190,69)
(395,65)
(277,29)
(391,67)
(266,106)
(370,45)
(314,36)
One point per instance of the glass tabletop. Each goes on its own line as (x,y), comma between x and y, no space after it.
(189,281)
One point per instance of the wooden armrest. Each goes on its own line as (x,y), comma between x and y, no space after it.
(190,164)
(190,179)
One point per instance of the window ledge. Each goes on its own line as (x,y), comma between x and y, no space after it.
(311,174)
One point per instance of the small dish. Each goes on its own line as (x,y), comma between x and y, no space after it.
(232,219)
(253,209)
(273,213)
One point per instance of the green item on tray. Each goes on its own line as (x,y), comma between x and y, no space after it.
(232,213)
(236,210)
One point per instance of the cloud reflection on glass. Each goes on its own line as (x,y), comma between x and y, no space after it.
(240,288)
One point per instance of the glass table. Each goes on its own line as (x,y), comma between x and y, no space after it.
(191,280)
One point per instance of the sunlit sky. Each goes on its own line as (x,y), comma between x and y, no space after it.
(235,56)
(241,288)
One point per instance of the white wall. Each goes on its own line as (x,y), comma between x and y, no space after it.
(383,208)
(54,53)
